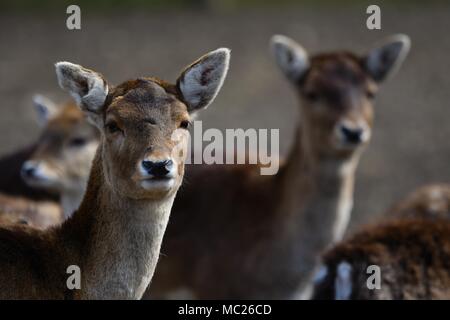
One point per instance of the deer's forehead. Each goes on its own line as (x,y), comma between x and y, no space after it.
(64,125)
(66,128)
(144,98)
(335,72)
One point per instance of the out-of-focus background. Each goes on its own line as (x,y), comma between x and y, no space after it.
(126,39)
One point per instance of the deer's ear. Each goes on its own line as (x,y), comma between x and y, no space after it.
(200,82)
(87,87)
(291,57)
(45,109)
(387,57)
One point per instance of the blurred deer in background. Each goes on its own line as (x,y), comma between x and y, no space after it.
(413,256)
(115,235)
(63,154)
(412,249)
(20,202)
(264,235)
(59,164)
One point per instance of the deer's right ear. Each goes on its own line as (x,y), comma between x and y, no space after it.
(87,87)
(291,57)
(45,109)
(386,58)
(200,82)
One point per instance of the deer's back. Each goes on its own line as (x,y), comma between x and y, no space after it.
(39,214)
(413,256)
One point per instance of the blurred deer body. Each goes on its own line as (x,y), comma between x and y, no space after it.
(39,214)
(412,254)
(115,235)
(63,155)
(412,249)
(266,233)
(428,202)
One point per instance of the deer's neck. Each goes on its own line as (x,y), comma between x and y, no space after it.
(316,200)
(317,191)
(122,240)
(70,201)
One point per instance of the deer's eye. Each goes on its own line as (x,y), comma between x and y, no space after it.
(185,124)
(77,142)
(370,94)
(112,127)
(312,96)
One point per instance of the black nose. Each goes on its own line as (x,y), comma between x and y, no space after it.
(28,171)
(352,135)
(158,169)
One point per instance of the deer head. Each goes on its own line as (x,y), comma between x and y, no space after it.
(337,90)
(139,119)
(65,149)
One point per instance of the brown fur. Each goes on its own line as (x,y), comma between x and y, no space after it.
(39,214)
(413,253)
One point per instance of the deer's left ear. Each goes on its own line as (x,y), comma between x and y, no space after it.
(200,82)
(387,57)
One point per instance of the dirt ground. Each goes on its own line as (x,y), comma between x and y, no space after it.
(410,146)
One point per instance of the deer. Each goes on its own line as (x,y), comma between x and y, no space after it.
(411,254)
(266,235)
(411,246)
(63,154)
(115,236)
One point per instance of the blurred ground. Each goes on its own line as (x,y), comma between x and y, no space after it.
(410,145)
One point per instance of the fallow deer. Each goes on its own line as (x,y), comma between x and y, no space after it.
(266,233)
(412,256)
(63,154)
(115,235)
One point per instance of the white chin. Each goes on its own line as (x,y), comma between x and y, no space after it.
(162,185)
